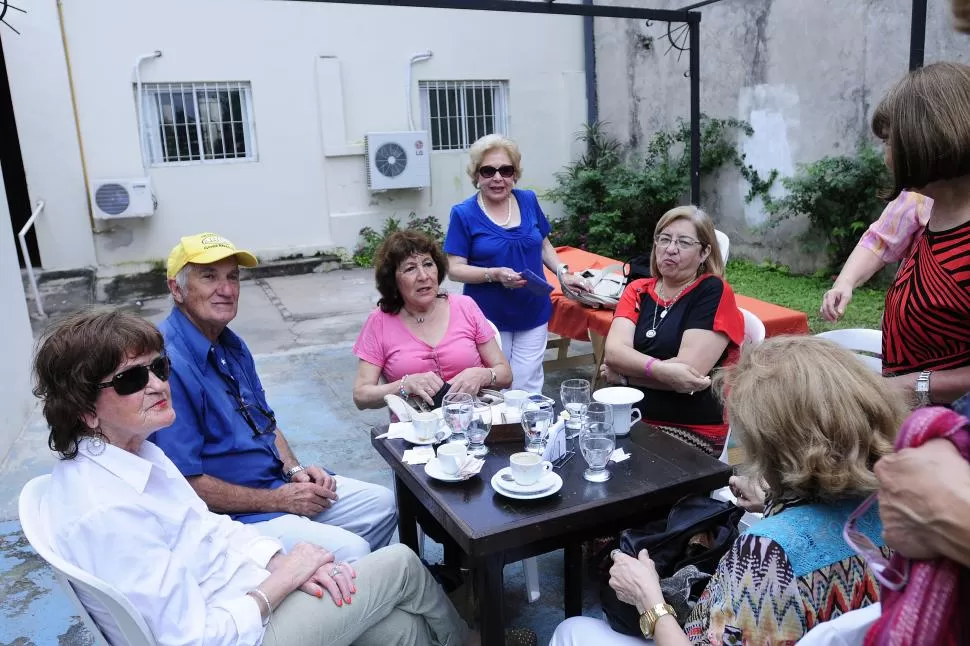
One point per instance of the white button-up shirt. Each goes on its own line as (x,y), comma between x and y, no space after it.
(134,521)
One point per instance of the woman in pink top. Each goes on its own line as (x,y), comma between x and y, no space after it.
(419,339)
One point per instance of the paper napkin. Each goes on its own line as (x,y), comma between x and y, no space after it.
(471,467)
(619,455)
(555,441)
(418,455)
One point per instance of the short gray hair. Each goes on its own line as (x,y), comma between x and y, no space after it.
(181,280)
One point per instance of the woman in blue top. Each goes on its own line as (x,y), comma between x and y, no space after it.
(492,238)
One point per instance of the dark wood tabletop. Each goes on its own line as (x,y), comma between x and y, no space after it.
(491,530)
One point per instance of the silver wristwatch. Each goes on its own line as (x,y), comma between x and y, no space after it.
(289,473)
(923,389)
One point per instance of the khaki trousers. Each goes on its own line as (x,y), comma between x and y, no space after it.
(397,603)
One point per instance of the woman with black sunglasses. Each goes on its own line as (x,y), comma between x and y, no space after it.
(497,244)
(120,510)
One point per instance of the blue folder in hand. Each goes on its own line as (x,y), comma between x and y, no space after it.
(536,284)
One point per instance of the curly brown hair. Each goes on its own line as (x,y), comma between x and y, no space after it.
(74,356)
(811,417)
(398,247)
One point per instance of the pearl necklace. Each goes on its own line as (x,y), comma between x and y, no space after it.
(508,218)
(421,319)
(652,332)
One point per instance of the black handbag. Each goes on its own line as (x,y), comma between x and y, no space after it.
(668,540)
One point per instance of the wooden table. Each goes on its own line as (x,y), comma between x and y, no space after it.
(490,530)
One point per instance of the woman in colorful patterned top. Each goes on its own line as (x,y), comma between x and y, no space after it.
(812,420)
(925,120)
(672,329)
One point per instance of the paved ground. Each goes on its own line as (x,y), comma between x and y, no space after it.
(301,329)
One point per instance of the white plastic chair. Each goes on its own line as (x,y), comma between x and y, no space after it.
(115,620)
(867,344)
(754,328)
(723,243)
(846,630)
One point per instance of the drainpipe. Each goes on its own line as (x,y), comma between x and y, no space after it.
(140,107)
(416,58)
(589,54)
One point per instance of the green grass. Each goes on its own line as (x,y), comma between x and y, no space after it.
(804,293)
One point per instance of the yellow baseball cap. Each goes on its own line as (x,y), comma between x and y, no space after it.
(205,249)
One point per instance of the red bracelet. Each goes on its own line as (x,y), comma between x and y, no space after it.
(648,369)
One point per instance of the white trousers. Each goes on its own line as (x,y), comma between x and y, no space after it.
(525,350)
(583,631)
(397,603)
(363,519)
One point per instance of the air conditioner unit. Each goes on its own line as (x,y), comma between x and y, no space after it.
(397,160)
(123,198)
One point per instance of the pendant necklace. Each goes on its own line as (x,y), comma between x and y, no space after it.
(652,332)
(420,319)
(508,218)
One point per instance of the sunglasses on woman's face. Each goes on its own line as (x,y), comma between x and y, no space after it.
(885,571)
(131,380)
(488,172)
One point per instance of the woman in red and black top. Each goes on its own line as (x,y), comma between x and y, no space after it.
(925,122)
(671,330)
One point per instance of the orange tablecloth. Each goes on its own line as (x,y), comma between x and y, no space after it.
(571,320)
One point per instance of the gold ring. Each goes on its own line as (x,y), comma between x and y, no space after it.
(335,571)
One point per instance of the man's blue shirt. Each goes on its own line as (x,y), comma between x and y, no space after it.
(211,383)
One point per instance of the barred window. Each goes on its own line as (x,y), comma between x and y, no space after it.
(456,113)
(197,122)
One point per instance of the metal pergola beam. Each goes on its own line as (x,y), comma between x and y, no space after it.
(548,7)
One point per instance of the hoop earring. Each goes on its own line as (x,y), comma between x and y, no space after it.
(96,443)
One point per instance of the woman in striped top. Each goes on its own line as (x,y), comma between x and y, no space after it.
(925,122)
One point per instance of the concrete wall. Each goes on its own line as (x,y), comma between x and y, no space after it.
(16,341)
(806,75)
(322,76)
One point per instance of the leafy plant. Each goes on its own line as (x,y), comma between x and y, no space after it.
(372,239)
(839,197)
(612,206)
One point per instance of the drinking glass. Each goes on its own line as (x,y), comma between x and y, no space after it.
(458,409)
(535,423)
(479,428)
(575,397)
(597,441)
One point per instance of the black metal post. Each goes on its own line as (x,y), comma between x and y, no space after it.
(694,23)
(917,37)
(589,54)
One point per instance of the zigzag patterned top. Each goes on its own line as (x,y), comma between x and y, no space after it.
(927,321)
(792,571)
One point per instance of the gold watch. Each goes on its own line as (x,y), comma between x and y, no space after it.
(649,618)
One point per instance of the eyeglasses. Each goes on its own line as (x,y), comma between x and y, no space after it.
(663,241)
(133,379)
(892,574)
(488,172)
(244,408)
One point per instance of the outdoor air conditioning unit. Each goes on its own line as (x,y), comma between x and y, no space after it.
(397,160)
(122,198)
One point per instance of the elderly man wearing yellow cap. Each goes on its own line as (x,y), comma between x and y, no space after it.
(225,439)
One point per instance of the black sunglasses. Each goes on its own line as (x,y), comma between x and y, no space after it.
(488,172)
(244,409)
(133,379)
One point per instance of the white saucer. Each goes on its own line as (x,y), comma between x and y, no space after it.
(409,436)
(551,481)
(433,468)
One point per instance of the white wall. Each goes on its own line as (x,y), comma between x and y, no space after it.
(322,75)
(16,342)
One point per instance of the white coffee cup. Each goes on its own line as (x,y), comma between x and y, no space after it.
(527,467)
(515,399)
(425,425)
(452,456)
(622,399)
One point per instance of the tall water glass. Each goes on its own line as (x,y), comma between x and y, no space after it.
(479,429)
(458,409)
(575,397)
(535,423)
(597,441)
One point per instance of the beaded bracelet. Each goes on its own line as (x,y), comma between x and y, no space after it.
(403,391)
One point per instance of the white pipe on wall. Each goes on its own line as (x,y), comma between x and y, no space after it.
(416,58)
(140,108)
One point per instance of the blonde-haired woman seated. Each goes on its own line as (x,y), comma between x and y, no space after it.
(812,420)
(672,329)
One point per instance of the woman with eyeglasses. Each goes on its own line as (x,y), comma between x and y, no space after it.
(812,420)
(498,238)
(671,330)
(121,511)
